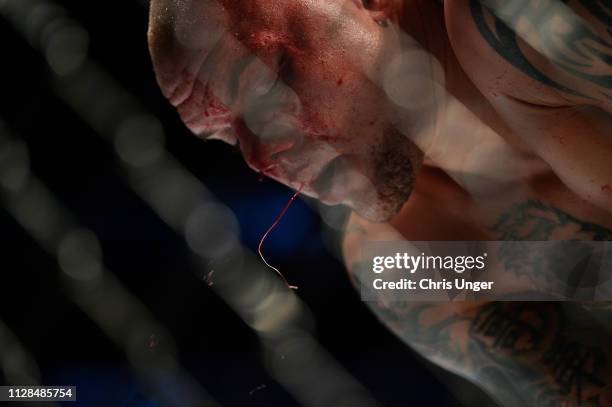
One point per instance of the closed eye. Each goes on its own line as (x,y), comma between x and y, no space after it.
(285,68)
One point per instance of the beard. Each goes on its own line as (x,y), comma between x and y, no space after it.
(396,160)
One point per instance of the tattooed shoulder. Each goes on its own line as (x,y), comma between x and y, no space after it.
(575,36)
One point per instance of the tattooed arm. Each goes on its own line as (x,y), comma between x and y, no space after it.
(571,263)
(523,354)
(530,354)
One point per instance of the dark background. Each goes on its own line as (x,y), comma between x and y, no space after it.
(153,262)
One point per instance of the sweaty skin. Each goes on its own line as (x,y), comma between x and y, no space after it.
(275,77)
(467,120)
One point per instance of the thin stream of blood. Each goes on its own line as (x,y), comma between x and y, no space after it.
(265,235)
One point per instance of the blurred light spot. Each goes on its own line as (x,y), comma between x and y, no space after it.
(256,289)
(18,7)
(276,311)
(172,192)
(235,270)
(17,366)
(40,16)
(334,216)
(269,106)
(261,81)
(14,165)
(109,306)
(140,141)
(414,80)
(79,255)
(66,49)
(491,168)
(212,230)
(40,215)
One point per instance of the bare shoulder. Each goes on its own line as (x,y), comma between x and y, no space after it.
(546,68)
(549,52)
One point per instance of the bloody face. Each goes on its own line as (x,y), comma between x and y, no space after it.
(296,84)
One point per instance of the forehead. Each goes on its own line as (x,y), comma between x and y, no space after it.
(270,14)
(308,22)
(273,8)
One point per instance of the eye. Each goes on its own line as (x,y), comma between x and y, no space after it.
(285,68)
(374,5)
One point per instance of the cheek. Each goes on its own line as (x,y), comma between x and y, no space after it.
(339,101)
(352,105)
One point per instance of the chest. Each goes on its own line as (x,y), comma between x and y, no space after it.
(539,207)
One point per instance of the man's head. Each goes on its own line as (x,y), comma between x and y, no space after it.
(297,84)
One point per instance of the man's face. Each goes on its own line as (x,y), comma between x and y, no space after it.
(296,85)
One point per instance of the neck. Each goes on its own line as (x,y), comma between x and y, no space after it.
(455,107)
(423,20)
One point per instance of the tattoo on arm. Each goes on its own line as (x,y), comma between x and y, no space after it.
(571,263)
(575,366)
(568,40)
(527,354)
(535,220)
(555,359)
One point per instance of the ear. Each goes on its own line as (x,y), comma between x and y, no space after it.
(381,10)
